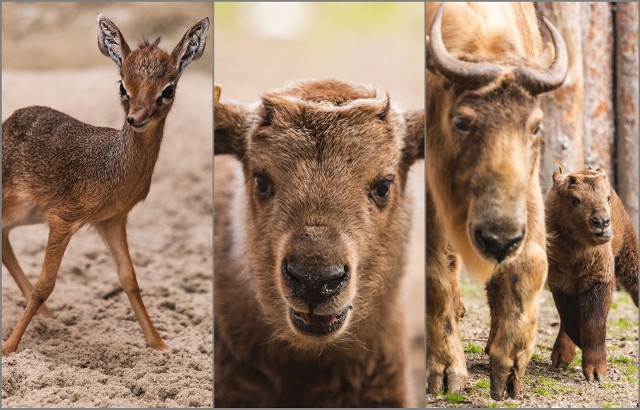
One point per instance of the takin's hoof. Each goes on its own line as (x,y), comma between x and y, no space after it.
(510,384)
(451,381)
(561,357)
(593,373)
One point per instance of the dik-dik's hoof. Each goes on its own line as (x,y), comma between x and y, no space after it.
(45,312)
(159,346)
(452,380)
(7,350)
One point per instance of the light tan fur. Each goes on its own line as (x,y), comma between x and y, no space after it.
(483,183)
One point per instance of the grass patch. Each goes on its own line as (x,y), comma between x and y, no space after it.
(473,348)
(511,406)
(622,323)
(620,360)
(483,384)
(542,391)
(614,305)
(607,385)
(492,405)
(577,361)
(608,405)
(453,397)
(536,357)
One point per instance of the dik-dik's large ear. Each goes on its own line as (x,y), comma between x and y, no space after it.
(231,124)
(191,47)
(414,136)
(110,40)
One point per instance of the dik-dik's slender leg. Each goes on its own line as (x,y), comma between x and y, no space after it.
(446,367)
(115,235)
(594,309)
(60,233)
(9,260)
(513,294)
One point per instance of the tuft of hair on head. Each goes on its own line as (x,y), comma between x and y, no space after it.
(145,42)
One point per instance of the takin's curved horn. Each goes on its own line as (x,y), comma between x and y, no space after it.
(452,68)
(540,81)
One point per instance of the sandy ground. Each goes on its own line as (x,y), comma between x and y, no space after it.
(543,386)
(93,353)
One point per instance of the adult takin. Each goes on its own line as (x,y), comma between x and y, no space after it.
(311,228)
(591,243)
(486,69)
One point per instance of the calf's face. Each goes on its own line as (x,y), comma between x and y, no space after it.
(582,204)
(325,174)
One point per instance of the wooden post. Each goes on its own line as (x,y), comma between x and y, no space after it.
(626,29)
(563,108)
(596,21)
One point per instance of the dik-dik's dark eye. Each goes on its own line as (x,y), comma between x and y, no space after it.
(462,124)
(123,91)
(575,201)
(380,191)
(263,186)
(167,93)
(609,198)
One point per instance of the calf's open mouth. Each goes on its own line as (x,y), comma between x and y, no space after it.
(318,325)
(604,235)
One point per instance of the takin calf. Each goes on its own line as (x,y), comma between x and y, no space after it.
(310,239)
(591,243)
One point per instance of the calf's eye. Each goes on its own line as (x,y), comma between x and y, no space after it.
(575,201)
(380,191)
(263,187)
(462,124)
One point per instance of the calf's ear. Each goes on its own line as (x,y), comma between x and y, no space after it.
(231,123)
(414,140)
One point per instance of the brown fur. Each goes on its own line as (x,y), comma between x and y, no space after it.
(322,146)
(583,267)
(58,170)
(484,179)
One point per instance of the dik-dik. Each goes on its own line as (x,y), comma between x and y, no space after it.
(69,174)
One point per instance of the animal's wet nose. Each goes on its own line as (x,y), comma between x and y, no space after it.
(313,284)
(600,222)
(498,246)
(131,120)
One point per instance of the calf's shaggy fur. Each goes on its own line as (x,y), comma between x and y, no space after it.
(310,239)
(591,244)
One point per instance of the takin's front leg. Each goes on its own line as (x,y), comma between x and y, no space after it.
(513,294)
(594,309)
(564,348)
(446,367)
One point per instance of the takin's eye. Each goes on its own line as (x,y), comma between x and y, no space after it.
(574,201)
(538,131)
(462,124)
(380,191)
(263,186)
(123,91)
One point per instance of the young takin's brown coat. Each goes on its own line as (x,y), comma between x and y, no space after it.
(591,243)
(310,240)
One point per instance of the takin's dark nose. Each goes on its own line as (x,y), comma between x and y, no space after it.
(314,268)
(315,285)
(601,222)
(499,246)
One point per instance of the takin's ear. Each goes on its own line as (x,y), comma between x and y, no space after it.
(557,176)
(231,123)
(191,47)
(414,136)
(111,41)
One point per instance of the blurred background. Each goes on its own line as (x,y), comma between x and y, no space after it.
(93,353)
(260,46)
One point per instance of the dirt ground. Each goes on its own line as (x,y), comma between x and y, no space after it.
(543,386)
(93,353)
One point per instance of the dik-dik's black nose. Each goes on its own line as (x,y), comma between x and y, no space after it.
(498,246)
(130,120)
(312,284)
(600,222)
